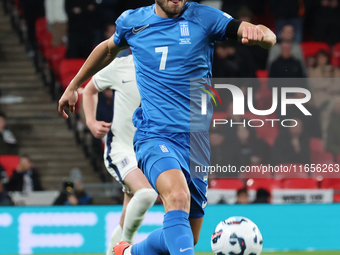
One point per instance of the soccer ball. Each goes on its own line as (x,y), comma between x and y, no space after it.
(237,236)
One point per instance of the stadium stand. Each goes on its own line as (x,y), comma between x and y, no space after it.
(294,171)
(320,172)
(262,74)
(263,183)
(9,163)
(268,133)
(336,55)
(35,118)
(317,151)
(57,54)
(332,184)
(324,157)
(68,69)
(316,144)
(255,173)
(301,183)
(235,184)
(312,48)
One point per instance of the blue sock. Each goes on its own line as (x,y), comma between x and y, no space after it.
(154,244)
(177,233)
(176,230)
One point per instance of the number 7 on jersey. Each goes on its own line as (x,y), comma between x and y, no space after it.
(164,51)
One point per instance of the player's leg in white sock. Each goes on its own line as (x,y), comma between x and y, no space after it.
(136,210)
(118,231)
(115,238)
(143,198)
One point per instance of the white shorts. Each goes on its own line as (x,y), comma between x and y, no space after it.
(120,160)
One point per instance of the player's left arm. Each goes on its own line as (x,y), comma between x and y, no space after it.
(90,100)
(250,34)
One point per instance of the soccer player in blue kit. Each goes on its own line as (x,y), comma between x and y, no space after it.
(171,41)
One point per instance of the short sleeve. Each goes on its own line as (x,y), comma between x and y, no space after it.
(214,22)
(105,78)
(121,29)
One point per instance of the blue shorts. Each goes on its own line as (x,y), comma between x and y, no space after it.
(157,153)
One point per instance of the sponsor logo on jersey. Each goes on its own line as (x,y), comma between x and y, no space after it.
(183,250)
(124,81)
(137,30)
(164,149)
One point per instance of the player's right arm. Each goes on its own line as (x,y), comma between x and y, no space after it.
(100,57)
(250,34)
(90,100)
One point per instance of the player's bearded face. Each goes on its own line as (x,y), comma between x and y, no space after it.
(171,7)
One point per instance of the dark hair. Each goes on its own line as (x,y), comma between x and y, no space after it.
(2,114)
(26,156)
(325,53)
(241,191)
(288,24)
(262,196)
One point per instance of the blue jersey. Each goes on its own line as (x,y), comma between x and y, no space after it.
(168,52)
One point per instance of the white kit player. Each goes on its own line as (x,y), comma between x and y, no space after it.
(119,156)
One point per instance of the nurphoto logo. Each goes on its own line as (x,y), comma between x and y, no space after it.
(238,99)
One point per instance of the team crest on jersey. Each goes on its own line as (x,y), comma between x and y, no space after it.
(184,31)
(125,162)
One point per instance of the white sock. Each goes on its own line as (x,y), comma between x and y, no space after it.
(115,238)
(136,210)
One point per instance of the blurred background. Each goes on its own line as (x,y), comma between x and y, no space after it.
(45,160)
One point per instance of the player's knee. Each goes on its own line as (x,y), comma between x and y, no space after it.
(178,200)
(146,196)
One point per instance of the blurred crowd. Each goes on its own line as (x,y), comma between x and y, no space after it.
(25,179)
(80,25)
(306,142)
(294,22)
